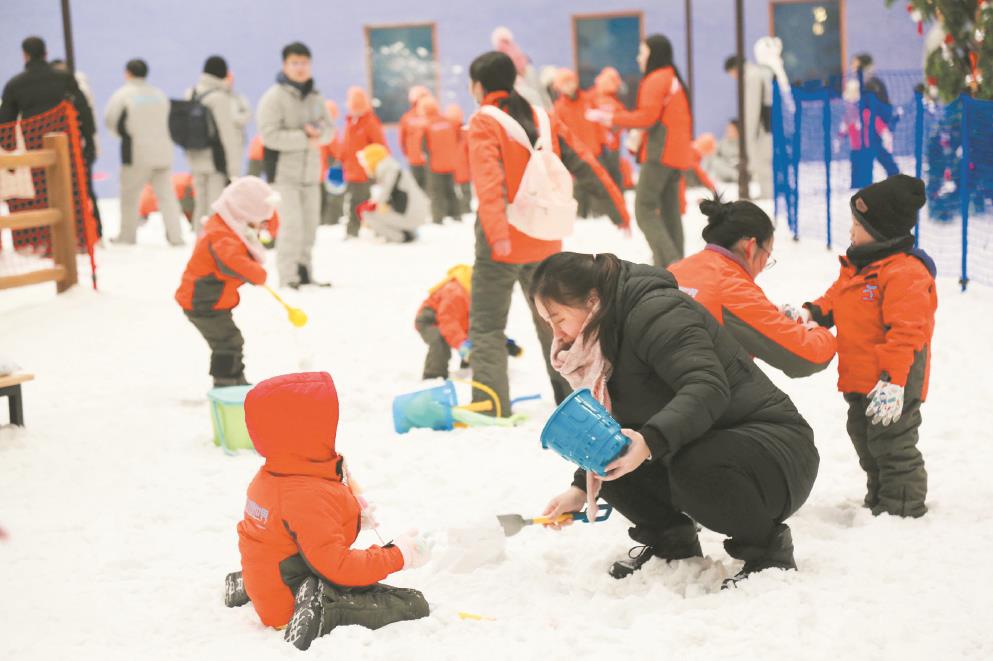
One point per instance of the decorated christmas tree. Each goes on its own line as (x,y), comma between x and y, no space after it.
(964,62)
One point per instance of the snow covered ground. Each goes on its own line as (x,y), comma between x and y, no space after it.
(121,513)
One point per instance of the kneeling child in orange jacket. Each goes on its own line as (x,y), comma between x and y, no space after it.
(302,517)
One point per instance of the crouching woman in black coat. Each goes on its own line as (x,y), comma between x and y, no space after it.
(712,439)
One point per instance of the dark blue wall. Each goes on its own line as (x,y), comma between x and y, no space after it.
(175,36)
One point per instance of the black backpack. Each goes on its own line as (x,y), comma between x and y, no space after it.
(191,125)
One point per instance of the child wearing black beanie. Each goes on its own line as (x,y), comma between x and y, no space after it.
(883,304)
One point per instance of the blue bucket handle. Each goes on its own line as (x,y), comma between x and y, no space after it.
(602,515)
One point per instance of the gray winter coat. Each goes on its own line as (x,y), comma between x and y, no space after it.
(138,114)
(390,175)
(214,93)
(678,375)
(290,158)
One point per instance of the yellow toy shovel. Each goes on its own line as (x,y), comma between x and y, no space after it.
(297,316)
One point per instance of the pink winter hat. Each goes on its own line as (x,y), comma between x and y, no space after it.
(247,200)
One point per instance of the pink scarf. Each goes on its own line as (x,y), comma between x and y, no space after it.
(584,366)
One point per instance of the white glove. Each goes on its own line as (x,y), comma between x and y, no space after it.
(800,315)
(413,548)
(885,403)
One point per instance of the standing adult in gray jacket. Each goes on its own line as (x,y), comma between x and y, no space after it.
(294,124)
(214,168)
(756,123)
(138,114)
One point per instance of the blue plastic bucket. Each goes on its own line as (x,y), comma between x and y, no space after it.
(583,432)
(425,409)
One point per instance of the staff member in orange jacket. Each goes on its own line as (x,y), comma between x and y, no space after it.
(302,517)
(362,128)
(605,88)
(463,187)
(721,277)
(441,143)
(227,255)
(411,134)
(571,107)
(663,113)
(504,255)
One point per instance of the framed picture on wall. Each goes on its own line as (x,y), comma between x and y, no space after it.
(400,56)
(608,40)
(813,35)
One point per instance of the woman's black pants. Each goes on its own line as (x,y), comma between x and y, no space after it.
(726,481)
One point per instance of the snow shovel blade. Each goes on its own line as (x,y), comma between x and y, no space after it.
(514,523)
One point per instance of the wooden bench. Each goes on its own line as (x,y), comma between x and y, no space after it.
(10,387)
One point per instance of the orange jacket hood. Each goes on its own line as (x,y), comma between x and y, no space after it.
(293,421)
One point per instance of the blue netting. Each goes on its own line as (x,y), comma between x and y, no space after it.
(826,143)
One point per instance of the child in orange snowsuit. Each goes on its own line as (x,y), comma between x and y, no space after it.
(302,517)
(227,255)
(883,304)
(443,321)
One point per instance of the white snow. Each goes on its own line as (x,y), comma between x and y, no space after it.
(121,513)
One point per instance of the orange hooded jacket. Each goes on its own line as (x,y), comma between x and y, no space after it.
(661,101)
(220,264)
(717,279)
(885,318)
(497,164)
(297,504)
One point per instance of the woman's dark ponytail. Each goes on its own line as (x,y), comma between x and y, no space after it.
(496,72)
(569,278)
(729,222)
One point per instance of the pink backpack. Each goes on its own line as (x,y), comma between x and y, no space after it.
(544,207)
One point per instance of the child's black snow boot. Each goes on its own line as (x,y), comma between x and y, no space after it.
(776,554)
(234,590)
(308,611)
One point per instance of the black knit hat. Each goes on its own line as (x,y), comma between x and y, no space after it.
(888,209)
(216,66)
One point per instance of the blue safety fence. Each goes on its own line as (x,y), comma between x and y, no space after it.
(829,140)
